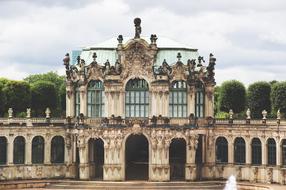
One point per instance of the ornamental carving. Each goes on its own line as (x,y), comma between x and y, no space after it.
(138,60)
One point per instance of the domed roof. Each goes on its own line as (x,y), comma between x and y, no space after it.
(162,42)
(168,50)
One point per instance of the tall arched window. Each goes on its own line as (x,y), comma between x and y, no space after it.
(178,99)
(3,150)
(137,98)
(271,150)
(200,100)
(221,150)
(38,148)
(95,99)
(283,147)
(256,151)
(19,150)
(58,150)
(239,150)
(77,99)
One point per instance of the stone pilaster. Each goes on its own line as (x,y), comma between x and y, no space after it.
(70,100)
(191,100)
(28,152)
(10,149)
(191,169)
(209,101)
(83,100)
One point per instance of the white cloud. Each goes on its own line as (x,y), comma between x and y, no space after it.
(247,37)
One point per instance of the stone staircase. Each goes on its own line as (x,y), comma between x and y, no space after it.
(136,185)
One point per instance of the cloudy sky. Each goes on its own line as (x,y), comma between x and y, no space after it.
(248,37)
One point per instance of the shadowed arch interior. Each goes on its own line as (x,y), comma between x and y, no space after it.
(177,159)
(221,150)
(136,157)
(96,158)
(3,150)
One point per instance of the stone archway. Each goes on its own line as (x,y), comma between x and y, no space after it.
(96,158)
(137,158)
(177,159)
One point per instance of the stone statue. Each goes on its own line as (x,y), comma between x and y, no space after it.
(230,114)
(200,59)
(278,115)
(106,68)
(48,113)
(248,114)
(211,67)
(153,38)
(264,114)
(28,113)
(137,22)
(120,39)
(10,113)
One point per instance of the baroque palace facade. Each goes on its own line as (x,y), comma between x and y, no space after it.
(142,110)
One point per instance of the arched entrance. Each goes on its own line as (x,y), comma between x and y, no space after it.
(136,157)
(177,159)
(96,158)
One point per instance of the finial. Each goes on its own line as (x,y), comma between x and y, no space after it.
(48,113)
(200,59)
(28,113)
(278,115)
(179,56)
(230,114)
(94,56)
(248,114)
(78,60)
(264,114)
(137,23)
(10,113)
(120,39)
(153,38)
(66,59)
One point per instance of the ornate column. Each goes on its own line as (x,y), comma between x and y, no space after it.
(10,149)
(209,101)
(278,152)
(248,151)
(113,169)
(47,154)
(191,169)
(191,100)
(159,169)
(28,151)
(230,151)
(83,99)
(70,99)
(263,152)
(83,156)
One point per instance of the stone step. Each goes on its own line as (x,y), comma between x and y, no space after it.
(136,185)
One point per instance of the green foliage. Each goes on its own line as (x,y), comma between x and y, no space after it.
(2,100)
(258,97)
(59,83)
(232,96)
(222,115)
(278,96)
(18,95)
(50,76)
(44,94)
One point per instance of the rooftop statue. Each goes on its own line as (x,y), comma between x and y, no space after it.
(137,22)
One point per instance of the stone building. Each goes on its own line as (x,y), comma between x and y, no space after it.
(142,109)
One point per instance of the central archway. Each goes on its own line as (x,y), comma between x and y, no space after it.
(136,157)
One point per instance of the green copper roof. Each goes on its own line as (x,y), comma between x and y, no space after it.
(167,49)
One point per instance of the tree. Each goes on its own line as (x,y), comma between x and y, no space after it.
(18,95)
(2,100)
(63,98)
(278,96)
(258,97)
(58,81)
(232,96)
(44,94)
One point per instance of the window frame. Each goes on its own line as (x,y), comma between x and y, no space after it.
(200,100)
(178,99)
(95,99)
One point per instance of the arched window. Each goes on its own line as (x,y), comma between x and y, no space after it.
(95,99)
(271,150)
(3,150)
(239,150)
(137,98)
(178,99)
(221,150)
(77,100)
(38,147)
(58,150)
(283,152)
(200,100)
(19,150)
(256,151)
